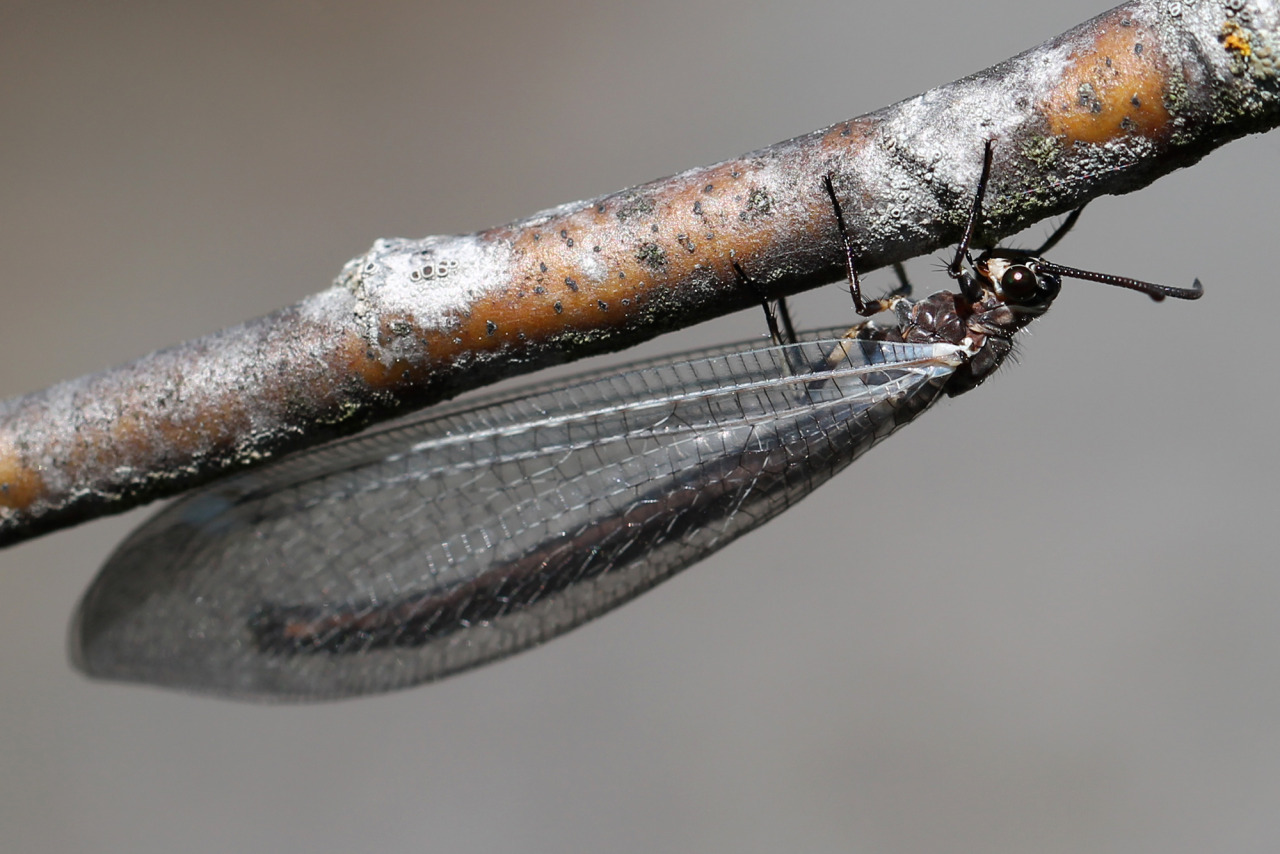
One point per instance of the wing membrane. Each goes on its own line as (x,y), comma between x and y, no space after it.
(415,551)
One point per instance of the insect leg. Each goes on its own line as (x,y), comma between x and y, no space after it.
(860,305)
(903,290)
(1059,232)
(968,285)
(771,314)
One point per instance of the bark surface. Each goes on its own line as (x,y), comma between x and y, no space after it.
(1106,108)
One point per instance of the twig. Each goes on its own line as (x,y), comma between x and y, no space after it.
(1103,109)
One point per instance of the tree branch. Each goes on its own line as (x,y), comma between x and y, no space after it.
(1106,108)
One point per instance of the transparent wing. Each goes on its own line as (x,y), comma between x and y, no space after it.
(415,551)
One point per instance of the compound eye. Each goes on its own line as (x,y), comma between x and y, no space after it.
(1019,284)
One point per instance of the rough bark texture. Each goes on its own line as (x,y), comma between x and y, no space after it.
(1106,108)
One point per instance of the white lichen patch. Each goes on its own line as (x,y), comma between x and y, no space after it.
(413,287)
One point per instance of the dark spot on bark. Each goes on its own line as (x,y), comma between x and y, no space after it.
(490,327)
(633,206)
(595,248)
(652,256)
(654,228)
(758,204)
(569,242)
(600,207)
(687,242)
(735,174)
(604,306)
(626,302)
(564,232)
(571,284)
(708,188)
(1136,101)
(697,208)
(1127,124)
(1088,98)
(543,267)
(536,237)
(539,290)
(558,307)
(1108,61)
(1137,49)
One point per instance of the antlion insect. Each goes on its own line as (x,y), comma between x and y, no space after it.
(425,548)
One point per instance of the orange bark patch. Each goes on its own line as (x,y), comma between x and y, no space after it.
(143,434)
(1115,89)
(597,266)
(352,356)
(1236,39)
(20,486)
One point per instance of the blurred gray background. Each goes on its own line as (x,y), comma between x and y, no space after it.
(1041,619)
